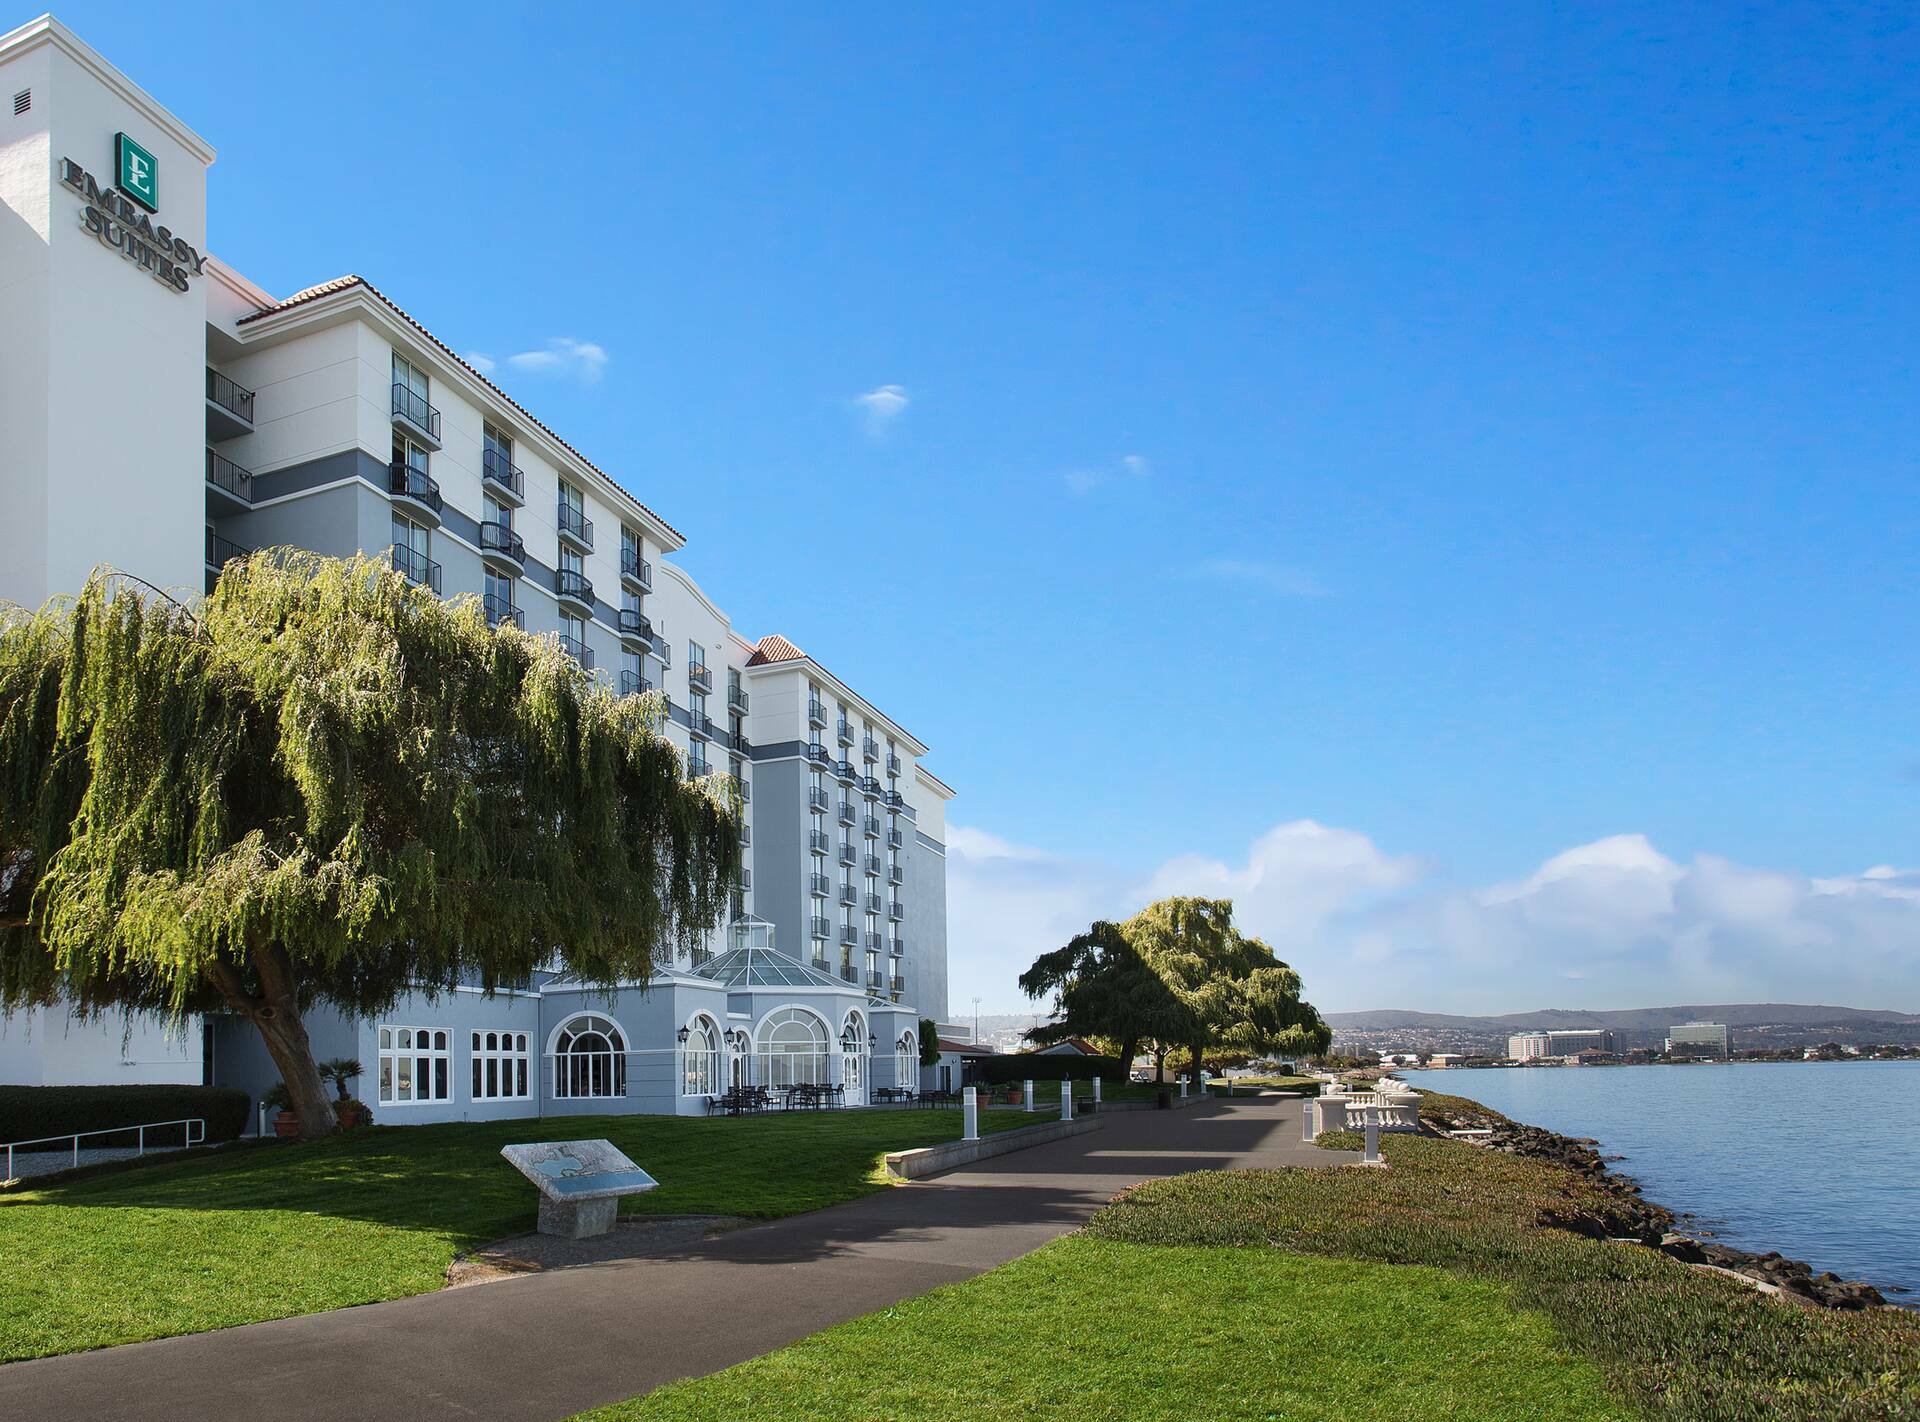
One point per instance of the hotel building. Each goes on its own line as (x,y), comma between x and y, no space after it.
(333,420)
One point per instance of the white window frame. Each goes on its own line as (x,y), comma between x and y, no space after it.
(418,1062)
(700,1066)
(510,1053)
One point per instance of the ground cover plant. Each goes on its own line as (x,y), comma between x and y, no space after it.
(268,1231)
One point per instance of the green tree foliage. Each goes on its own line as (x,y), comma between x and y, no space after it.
(929,1042)
(1175,976)
(322,784)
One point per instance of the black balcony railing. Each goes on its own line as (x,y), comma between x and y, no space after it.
(737,699)
(895,800)
(819,885)
(818,927)
(416,567)
(501,611)
(849,895)
(699,676)
(896,874)
(816,713)
(573,586)
(895,840)
(634,623)
(872,826)
(229,395)
(633,566)
(498,539)
(845,771)
(896,910)
(873,864)
(578,650)
(746,834)
(873,945)
(893,763)
(634,684)
(870,748)
(503,473)
(695,768)
(899,985)
(746,878)
(873,903)
(224,474)
(847,856)
(404,481)
(817,800)
(898,947)
(849,972)
(845,733)
(818,843)
(846,814)
(222,551)
(412,407)
(576,525)
(817,753)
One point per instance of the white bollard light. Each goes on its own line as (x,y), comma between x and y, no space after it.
(1183,1088)
(1096,1093)
(970,1105)
(1026,1095)
(1307,1132)
(1372,1155)
(1066,1100)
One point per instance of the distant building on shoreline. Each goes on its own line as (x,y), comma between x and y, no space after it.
(1529,1046)
(1697,1038)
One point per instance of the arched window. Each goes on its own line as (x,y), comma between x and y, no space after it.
(794,1046)
(700,1069)
(906,1060)
(589,1058)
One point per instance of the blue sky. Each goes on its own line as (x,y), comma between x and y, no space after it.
(1476,433)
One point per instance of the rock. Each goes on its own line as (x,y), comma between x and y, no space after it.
(1678,1246)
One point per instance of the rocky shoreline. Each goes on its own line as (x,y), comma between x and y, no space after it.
(1624,1214)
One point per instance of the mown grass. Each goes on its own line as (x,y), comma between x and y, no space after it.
(1103,1330)
(1677,1343)
(271,1231)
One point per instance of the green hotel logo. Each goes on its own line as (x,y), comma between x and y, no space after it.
(139,174)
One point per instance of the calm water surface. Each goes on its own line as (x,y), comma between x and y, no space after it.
(1819,1160)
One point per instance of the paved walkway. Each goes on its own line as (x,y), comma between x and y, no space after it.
(550,1344)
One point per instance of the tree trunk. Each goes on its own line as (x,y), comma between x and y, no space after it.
(1160,1064)
(1127,1049)
(275,1014)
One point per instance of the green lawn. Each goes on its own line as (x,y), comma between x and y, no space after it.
(1430,1290)
(266,1232)
(1099,1330)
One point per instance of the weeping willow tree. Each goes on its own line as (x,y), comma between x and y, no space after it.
(324,785)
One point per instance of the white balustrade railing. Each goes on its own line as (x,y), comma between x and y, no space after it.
(193,1134)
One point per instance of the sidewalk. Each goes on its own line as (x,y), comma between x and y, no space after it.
(547,1345)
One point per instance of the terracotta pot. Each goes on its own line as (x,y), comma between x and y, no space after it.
(286,1125)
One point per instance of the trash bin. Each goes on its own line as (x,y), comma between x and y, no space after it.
(1163,1100)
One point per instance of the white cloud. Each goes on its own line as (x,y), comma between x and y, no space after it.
(1081,482)
(1613,923)
(563,356)
(881,406)
(1266,577)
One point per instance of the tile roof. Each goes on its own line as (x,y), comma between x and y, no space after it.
(343,283)
(774,649)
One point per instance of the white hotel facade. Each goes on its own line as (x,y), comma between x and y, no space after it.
(161,413)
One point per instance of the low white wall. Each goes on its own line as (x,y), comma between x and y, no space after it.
(930,1160)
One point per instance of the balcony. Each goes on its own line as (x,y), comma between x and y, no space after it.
(575,527)
(895,800)
(846,815)
(737,701)
(897,946)
(636,628)
(896,840)
(699,725)
(229,487)
(413,416)
(743,785)
(817,800)
(846,855)
(850,936)
(872,826)
(416,567)
(817,753)
(636,572)
(746,835)
(817,842)
(849,895)
(818,885)
(845,732)
(696,768)
(741,743)
(699,678)
(849,972)
(634,684)
(873,981)
(816,713)
(899,986)
(893,763)
(222,551)
(229,407)
(872,864)
(501,548)
(502,478)
(501,612)
(578,650)
(572,587)
(819,928)
(416,488)
(870,748)
(870,788)
(896,910)
(845,771)
(746,878)
(873,944)
(820,964)
(873,906)
(896,873)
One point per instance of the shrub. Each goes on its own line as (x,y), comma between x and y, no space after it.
(1063,1066)
(30,1112)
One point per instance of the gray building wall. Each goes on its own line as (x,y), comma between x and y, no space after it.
(925,928)
(780,849)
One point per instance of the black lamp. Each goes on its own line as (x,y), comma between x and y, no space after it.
(683,1034)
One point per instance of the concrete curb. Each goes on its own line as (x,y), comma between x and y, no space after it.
(930,1160)
(1178,1104)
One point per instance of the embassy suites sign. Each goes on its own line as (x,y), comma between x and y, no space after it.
(121,215)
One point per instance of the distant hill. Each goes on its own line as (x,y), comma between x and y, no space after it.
(1751,1024)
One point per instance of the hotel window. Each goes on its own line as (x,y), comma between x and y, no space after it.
(589,1058)
(700,1072)
(496,455)
(497,512)
(499,599)
(406,452)
(696,658)
(415,1066)
(411,548)
(573,502)
(502,1065)
(410,389)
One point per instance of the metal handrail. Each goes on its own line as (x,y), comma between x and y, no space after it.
(576,524)
(140,1145)
(496,468)
(500,610)
(498,538)
(578,650)
(416,567)
(223,473)
(230,395)
(414,408)
(572,585)
(222,551)
(406,482)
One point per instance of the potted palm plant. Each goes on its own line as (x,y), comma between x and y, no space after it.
(286,1125)
(340,1071)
